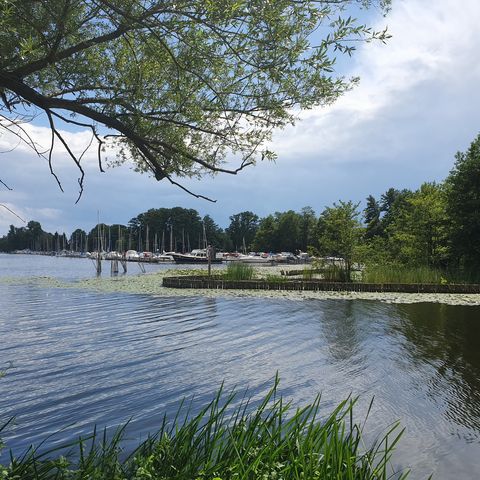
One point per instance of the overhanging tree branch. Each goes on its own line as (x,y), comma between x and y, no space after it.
(183,86)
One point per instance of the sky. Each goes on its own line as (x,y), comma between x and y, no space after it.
(417,104)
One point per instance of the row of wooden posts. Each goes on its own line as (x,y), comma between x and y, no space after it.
(197,282)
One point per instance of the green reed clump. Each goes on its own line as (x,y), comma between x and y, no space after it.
(394,273)
(272,441)
(308,273)
(239,271)
(334,273)
(274,278)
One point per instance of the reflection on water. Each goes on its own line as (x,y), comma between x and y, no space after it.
(447,338)
(83,358)
(69,268)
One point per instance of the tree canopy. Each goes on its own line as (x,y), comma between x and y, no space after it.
(242,229)
(463,205)
(178,86)
(340,232)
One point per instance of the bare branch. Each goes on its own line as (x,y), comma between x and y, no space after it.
(15,124)
(11,211)
(5,185)
(173,182)
(52,145)
(94,135)
(69,151)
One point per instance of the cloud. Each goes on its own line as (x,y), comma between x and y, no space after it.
(28,137)
(432,45)
(18,215)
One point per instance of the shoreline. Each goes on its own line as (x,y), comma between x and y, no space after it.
(151,284)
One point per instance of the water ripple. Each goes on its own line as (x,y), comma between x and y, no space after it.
(84,358)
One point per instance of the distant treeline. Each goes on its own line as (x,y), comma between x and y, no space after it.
(437,226)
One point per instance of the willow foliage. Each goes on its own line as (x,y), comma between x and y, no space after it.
(179,86)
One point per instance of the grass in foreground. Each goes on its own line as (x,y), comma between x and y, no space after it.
(270,442)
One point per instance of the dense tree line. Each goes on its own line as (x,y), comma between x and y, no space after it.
(437,226)
(32,237)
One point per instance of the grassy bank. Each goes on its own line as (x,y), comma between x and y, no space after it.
(402,274)
(272,441)
(396,273)
(369,273)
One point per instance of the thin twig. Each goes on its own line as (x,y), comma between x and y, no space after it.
(11,211)
(7,187)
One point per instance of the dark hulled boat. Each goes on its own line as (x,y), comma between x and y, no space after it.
(196,256)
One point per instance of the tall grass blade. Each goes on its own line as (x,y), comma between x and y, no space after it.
(228,441)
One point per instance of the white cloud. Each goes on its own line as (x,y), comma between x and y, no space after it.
(18,215)
(432,43)
(28,137)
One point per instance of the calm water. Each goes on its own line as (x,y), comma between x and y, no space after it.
(82,358)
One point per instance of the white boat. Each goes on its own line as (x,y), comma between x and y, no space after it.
(164,257)
(284,257)
(263,259)
(132,255)
(113,256)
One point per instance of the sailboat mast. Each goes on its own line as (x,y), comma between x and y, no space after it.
(205,244)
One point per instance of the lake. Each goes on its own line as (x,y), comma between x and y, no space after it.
(81,358)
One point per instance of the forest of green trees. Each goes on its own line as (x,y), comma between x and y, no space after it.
(436,226)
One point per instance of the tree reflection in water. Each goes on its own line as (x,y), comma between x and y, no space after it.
(447,338)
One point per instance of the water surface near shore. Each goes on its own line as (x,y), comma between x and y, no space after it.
(83,357)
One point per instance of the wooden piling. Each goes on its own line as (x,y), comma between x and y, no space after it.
(123,262)
(198,282)
(114,266)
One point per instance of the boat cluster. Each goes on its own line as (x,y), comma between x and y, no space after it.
(254,257)
(199,256)
(202,256)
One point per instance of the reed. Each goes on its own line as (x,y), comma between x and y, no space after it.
(275,278)
(334,273)
(223,442)
(308,273)
(404,274)
(238,271)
